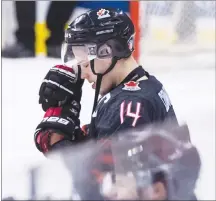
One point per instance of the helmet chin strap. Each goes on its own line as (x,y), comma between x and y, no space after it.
(99,79)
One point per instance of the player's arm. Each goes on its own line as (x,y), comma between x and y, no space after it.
(124,112)
(59,128)
(59,95)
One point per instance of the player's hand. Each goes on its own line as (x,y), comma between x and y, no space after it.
(59,123)
(60,86)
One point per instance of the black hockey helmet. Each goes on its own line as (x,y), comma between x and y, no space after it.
(107,26)
(101,33)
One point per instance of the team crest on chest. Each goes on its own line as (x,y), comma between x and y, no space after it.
(131,86)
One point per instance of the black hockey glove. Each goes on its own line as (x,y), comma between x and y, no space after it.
(60,86)
(60,120)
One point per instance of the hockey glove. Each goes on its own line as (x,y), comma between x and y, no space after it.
(60,120)
(60,86)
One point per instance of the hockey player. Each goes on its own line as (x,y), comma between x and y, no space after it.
(98,47)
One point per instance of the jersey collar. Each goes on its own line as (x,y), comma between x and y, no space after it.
(136,74)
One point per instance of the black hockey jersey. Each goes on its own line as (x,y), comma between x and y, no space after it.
(140,99)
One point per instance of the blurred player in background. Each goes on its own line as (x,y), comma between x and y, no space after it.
(58,14)
(155,163)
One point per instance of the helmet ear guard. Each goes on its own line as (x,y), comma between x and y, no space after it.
(121,48)
(115,48)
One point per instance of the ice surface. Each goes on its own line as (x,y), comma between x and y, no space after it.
(189,80)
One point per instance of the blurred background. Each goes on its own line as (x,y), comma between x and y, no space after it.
(39,25)
(175,41)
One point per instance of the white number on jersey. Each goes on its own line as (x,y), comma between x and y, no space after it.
(129,113)
(165,99)
(105,99)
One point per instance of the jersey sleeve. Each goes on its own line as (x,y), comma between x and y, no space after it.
(123,113)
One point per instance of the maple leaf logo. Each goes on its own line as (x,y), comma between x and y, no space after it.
(131,86)
(100,12)
(103,13)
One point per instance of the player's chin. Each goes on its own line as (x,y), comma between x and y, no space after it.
(105,88)
(103,91)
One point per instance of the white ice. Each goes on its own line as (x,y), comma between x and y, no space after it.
(189,80)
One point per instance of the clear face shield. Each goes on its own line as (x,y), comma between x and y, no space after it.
(80,54)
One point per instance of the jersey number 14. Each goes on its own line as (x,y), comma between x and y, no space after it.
(125,111)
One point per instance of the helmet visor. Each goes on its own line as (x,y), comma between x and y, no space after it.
(78,54)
